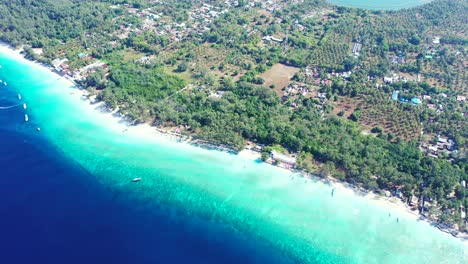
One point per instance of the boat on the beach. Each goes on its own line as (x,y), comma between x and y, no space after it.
(19,96)
(136,180)
(26,118)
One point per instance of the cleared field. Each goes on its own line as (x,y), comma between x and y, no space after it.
(378,110)
(280,75)
(130,54)
(393,117)
(346,105)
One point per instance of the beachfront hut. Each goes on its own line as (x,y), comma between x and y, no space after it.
(414,200)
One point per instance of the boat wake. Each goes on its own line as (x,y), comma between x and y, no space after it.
(8,107)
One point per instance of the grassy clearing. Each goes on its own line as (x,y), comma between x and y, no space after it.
(280,75)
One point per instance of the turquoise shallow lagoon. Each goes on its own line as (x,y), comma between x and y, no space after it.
(380,4)
(296,218)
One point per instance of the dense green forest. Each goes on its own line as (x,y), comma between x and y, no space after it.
(204,71)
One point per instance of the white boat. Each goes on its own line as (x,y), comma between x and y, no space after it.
(5,83)
(26,118)
(24,106)
(19,96)
(38,129)
(136,180)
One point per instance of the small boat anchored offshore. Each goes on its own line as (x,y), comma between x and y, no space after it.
(19,96)
(24,106)
(136,180)
(26,118)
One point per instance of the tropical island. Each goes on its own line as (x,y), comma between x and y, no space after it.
(373,98)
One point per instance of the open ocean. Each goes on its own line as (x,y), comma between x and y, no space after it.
(66,196)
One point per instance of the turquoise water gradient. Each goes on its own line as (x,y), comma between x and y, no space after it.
(297,217)
(380,4)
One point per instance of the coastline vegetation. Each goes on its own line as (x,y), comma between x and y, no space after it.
(203,78)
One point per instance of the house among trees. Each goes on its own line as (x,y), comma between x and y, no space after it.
(271,38)
(395,95)
(357,48)
(442,144)
(416,101)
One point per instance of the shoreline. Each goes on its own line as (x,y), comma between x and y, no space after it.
(142,129)
(153,133)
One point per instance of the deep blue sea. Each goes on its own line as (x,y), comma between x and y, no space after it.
(53,211)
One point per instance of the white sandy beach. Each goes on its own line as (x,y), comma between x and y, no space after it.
(249,154)
(146,132)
